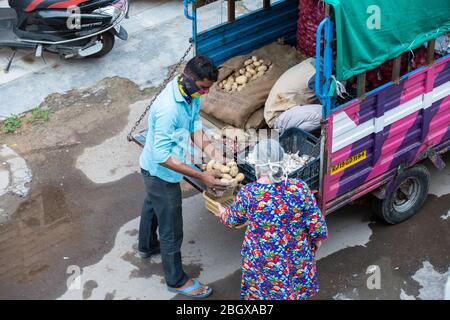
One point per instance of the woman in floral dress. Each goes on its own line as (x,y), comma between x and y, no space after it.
(285,229)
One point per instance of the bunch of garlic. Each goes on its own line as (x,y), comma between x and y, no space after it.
(253,69)
(230,172)
(293,162)
(290,163)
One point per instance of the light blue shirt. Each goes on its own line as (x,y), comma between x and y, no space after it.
(171,122)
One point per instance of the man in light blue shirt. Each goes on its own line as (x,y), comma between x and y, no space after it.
(173,126)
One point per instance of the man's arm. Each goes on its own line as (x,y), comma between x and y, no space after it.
(208,178)
(203,142)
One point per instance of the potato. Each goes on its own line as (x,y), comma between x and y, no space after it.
(230,79)
(255,58)
(241,80)
(260,73)
(234,171)
(234,86)
(225,169)
(242,71)
(256,63)
(227,177)
(262,68)
(247,62)
(253,71)
(231,164)
(217,166)
(227,87)
(240,177)
(210,165)
(255,77)
(248,75)
(261,61)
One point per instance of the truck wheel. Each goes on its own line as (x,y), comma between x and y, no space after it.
(410,192)
(107,39)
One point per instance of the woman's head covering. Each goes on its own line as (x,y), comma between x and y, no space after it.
(269,157)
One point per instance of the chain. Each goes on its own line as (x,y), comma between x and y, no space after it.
(161,88)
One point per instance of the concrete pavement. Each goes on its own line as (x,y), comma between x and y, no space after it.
(158,35)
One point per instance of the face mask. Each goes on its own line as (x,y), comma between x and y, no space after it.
(189,89)
(199,93)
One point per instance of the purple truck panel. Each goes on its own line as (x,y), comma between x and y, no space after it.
(392,127)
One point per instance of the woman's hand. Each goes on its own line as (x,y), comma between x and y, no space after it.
(220,210)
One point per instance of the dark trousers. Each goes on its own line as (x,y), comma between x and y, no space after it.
(162,210)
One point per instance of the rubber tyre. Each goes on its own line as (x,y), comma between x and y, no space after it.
(108,39)
(388,210)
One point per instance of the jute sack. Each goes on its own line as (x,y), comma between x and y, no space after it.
(291,90)
(256,120)
(235,108)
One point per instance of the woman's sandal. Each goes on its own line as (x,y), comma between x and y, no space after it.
(188,290)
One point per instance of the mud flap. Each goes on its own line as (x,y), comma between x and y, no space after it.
(121,34)
(436,159)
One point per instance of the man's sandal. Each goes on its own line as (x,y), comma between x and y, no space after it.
(188,290)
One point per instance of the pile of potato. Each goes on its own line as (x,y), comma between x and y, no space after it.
(253,69)
(230,172)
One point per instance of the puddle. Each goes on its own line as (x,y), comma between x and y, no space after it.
(88,287)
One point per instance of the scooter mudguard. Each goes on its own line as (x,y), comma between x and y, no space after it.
(122,34)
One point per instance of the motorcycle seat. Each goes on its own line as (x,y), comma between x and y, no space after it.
(32,5)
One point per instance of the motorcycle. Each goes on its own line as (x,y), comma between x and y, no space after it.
(70,28)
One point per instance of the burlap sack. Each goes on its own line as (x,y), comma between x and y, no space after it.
(235,108)
(291,90)
(256,120)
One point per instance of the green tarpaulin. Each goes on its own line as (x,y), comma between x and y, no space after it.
(370,32)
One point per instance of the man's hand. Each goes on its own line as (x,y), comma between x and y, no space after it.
(211,179)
